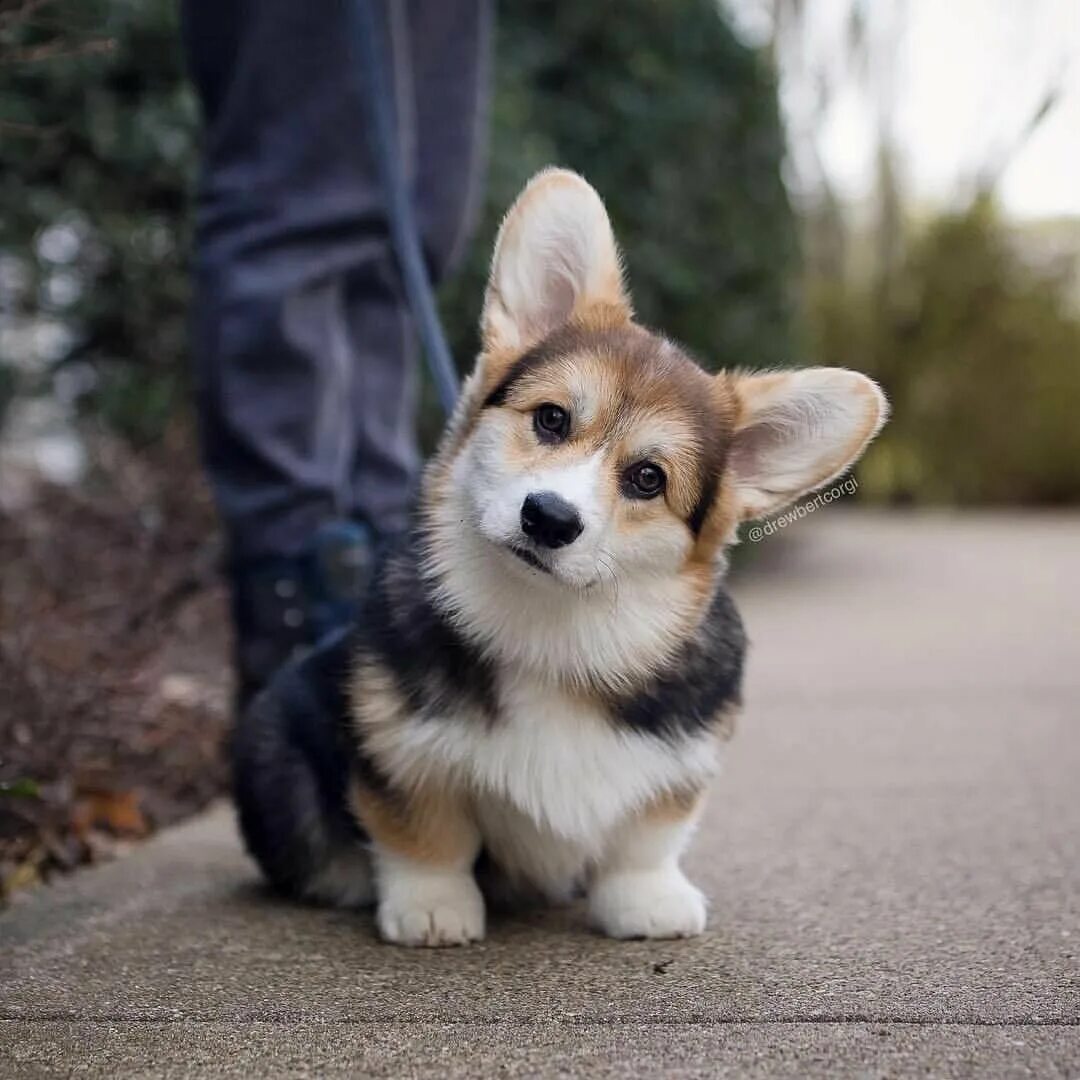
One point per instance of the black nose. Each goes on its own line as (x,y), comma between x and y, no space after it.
(550,520)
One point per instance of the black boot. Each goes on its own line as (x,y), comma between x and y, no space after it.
(283,605)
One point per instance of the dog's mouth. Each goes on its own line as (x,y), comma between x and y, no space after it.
(527,557)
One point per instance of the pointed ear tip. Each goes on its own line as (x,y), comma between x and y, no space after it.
(555,180)
(874,406)
(880,402)
(558,175)
(860,383)
(533,202)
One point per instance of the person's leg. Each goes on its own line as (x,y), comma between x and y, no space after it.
(442,62)
(289,223)
(289,209)
(306,384)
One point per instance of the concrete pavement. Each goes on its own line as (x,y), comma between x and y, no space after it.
(893,859)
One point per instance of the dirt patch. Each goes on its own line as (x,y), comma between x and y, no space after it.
(114,685)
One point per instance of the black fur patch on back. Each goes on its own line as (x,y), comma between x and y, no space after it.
(704,677)
(435,667)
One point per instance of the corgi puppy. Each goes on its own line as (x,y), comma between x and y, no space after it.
(548,667)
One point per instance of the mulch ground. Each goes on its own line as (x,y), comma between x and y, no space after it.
(114,684)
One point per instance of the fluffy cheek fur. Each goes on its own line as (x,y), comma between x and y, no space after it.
(494,473)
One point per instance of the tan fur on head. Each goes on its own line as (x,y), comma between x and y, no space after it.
(558,329)
(556,263)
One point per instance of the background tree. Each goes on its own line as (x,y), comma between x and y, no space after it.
(675,123)
(670,117)
(971,322)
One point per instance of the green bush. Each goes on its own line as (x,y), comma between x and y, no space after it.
(99,161)
(979,352)
(675,123)
(660,107)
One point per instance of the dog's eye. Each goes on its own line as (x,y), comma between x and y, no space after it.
(643,480)
(552,422)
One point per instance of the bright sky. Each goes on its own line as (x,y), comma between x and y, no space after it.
(967,76)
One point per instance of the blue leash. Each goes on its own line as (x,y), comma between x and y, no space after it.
(371,40)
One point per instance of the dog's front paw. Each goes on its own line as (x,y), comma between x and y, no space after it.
(447,910)
(647,904)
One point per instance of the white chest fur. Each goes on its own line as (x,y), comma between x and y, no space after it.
(565,766)
(557,760)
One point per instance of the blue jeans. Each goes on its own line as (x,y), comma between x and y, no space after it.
(304,359)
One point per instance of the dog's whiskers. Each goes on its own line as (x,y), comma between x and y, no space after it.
(605,560)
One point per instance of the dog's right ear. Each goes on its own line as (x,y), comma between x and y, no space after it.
(555,257)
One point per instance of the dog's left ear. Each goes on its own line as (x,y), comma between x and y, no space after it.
(555,256)
(797,430)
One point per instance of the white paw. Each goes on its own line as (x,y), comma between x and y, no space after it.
(647,904)
(443,910)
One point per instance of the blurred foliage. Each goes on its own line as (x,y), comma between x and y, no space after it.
(21,788)
(667,114)
(675,123)
(98,131)
(979,352)
(663,110)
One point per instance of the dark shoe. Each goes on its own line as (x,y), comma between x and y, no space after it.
(284,605)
